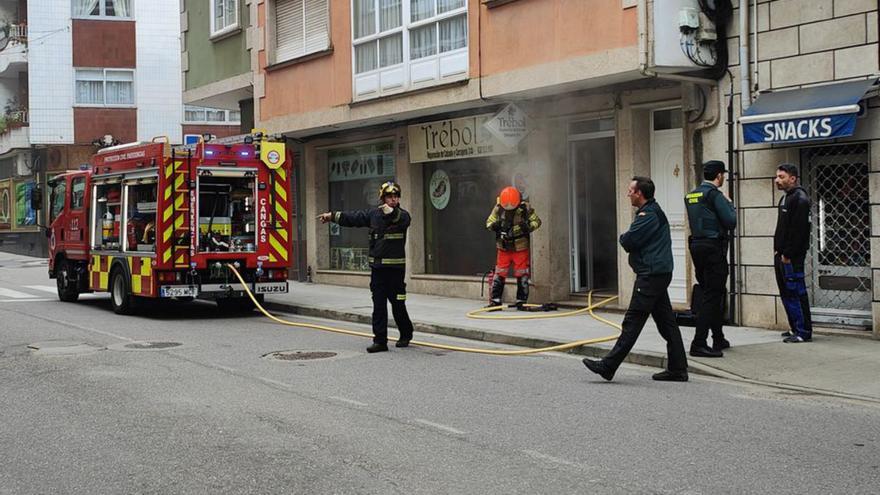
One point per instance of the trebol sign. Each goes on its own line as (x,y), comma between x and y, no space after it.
(454,139)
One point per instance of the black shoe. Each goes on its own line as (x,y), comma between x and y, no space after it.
(787,333)
(598,368)
(402,343)
(377,348)
(493,306)
(671,376)
(705,351)
(796,339)
(720,345)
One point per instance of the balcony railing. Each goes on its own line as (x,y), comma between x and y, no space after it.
(13,120)
(18,33)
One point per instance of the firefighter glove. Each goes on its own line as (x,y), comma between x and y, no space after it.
(386,209)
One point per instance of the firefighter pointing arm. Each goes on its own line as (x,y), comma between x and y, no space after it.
(512,220)
(388,224)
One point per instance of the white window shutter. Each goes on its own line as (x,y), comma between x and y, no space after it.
(317,26)
(289,39)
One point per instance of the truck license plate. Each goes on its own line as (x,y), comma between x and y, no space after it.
(271,288)
(189,291)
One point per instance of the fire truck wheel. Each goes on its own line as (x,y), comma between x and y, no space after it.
(120,294)
(67,288)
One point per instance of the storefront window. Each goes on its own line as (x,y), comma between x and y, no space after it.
(25,215)
(459,195)
(355,174)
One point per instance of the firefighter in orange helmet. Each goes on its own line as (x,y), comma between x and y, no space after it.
(512,220)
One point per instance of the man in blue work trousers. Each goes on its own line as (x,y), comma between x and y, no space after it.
(790,244)
(649,245)
(388,223)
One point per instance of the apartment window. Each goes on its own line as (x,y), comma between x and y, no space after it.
(202,115)
(405,44)
(301,27)
(224,17)
(102,8)
(105,87)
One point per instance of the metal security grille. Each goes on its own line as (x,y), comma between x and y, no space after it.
(839,266)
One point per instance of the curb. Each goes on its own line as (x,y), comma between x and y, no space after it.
(635,357)
(643,358)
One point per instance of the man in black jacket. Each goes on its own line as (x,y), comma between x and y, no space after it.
(649,245)
(388,223)
(790,244)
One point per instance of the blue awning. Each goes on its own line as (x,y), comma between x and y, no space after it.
(808,114)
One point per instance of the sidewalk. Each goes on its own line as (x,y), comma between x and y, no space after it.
(833,365)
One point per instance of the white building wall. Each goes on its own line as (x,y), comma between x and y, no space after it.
(158,85)
(50,62)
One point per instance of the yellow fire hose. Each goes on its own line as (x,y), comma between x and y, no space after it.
(519,352)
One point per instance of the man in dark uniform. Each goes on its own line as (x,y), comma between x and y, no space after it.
(649,245)
(388,223)
(790,244)
(711,216)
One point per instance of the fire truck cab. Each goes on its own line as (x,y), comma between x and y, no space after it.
(149,220)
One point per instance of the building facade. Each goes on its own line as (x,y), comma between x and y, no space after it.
(567,100)
(804,59)
(78,75)
(217,66)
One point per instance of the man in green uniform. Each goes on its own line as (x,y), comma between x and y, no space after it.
(711,217)
(649,244)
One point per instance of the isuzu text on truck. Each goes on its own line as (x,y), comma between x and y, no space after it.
(148,220)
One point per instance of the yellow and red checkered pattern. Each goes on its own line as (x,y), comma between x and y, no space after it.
(140,268)
(99,272)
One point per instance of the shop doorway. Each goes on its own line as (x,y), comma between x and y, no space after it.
(667,172)
(593,211)
(839,262)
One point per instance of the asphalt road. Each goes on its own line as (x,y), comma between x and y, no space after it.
(213,415)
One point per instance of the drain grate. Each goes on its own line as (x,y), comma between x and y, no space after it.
(149,346)
(299,355)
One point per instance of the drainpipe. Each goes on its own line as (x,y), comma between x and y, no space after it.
(744,66)
(732,184)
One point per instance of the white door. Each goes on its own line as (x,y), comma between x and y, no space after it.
(667,172)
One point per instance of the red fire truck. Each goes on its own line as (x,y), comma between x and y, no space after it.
(151,220)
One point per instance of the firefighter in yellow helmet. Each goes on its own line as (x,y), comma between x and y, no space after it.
(512,220)
(388,224)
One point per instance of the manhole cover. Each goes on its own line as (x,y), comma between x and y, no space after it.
(299,355)
(149,346)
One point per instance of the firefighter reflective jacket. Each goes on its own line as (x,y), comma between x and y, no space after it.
(512,227)
(387,233)
(709,213)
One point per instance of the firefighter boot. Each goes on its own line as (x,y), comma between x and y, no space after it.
(497,291)
(522,292)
